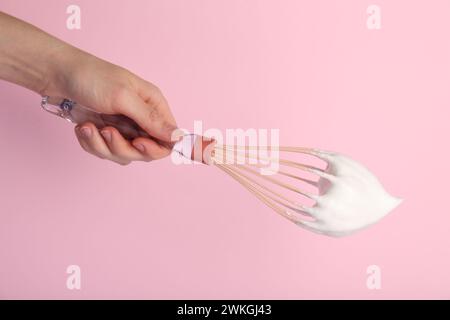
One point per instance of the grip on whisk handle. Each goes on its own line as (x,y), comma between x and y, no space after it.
(199,147)
(76,113)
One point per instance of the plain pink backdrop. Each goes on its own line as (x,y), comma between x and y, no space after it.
(311,69)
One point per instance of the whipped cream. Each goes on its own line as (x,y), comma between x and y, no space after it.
(350,197)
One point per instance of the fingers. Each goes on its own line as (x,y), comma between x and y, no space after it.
(119,147)
(91,141)
(150,148)
(110,144)
(141,149)
(150,110)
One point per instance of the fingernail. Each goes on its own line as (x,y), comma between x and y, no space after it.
(140,147)
(107,135)
(86,132)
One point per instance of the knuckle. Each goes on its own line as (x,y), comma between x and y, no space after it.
(153,113)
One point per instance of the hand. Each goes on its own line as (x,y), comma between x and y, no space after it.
(34,59)
(110,89)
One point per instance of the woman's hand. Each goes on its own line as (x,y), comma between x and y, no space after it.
(110,89)
(38,61)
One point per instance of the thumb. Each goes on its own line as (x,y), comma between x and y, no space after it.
(153,116)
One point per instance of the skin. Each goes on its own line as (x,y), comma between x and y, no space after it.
(48,66)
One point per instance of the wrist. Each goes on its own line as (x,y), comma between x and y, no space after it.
(29,57)
(61,66)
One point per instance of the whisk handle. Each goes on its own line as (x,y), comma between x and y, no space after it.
(192,146)
(77,113)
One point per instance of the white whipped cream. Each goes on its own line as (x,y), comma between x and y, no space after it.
(350,197)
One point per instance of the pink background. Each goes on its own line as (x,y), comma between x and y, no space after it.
(310,68)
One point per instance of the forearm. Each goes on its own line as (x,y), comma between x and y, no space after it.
(30,57)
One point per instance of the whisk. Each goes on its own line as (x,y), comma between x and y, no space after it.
(324,192)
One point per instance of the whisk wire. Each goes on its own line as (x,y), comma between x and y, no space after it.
(277,182)
(260,195)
